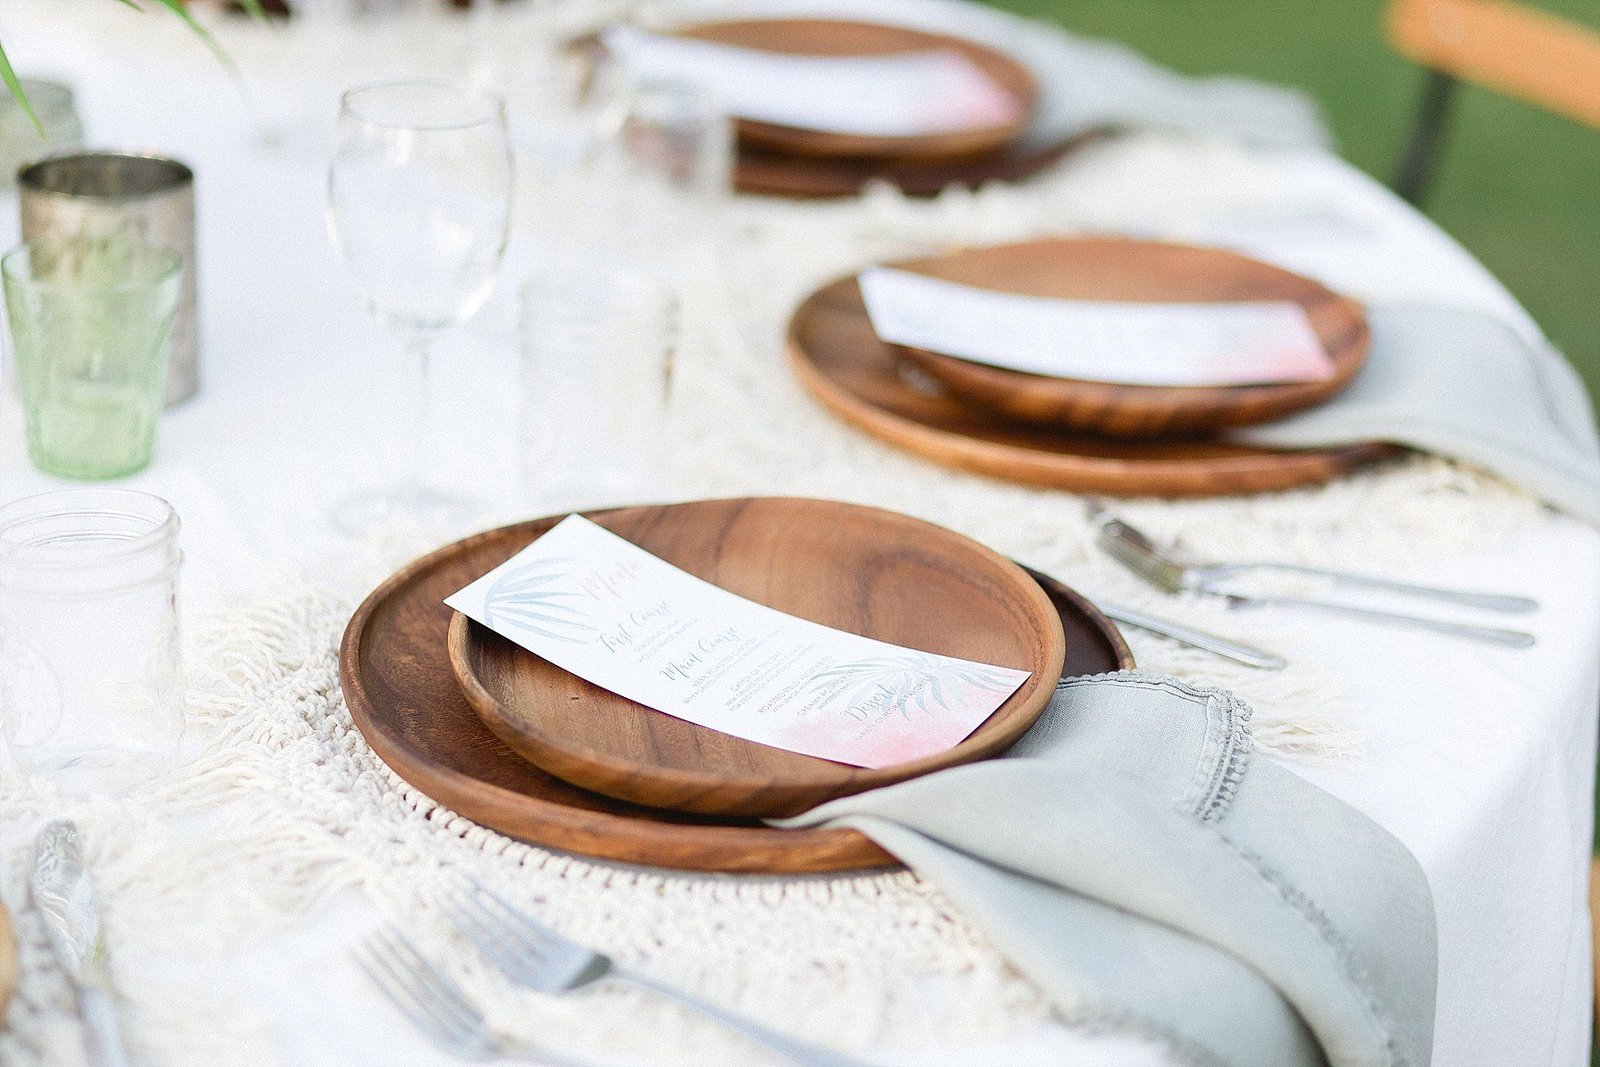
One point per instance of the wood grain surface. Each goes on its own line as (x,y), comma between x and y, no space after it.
(404,699)
(761,173)
(867,383)
(836,37)
(1129,271)
(1531,55)
(863,570)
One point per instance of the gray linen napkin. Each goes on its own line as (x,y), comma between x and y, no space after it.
(1135,863)
(1466,385)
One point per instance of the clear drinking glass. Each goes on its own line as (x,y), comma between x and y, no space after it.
(91,692)
(666,167)
(419,204)
(91,329)
(20,142)
(598,346)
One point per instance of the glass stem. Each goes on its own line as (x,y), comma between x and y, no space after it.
(419,346)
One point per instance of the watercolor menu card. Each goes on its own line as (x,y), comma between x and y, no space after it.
(606,610)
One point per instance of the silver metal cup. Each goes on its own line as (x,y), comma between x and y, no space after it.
(103,194)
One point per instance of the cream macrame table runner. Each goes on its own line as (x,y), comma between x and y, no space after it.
(285,807)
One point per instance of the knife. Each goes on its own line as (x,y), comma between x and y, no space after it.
(1184,635)
(65,898)
(1227,648)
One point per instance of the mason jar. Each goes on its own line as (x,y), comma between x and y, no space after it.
(91,682)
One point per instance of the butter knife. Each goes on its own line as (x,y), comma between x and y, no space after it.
(1225,647)
(1184,635)
(1136,552)
(65,898)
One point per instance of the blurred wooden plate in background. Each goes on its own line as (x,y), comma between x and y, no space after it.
(833,37)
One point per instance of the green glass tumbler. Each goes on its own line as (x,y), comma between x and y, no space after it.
(91,328)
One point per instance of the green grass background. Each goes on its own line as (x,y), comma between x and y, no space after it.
(1518,186)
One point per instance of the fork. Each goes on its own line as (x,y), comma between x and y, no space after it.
(436,1005)
(538,958)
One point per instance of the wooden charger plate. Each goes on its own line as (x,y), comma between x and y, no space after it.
(762,173)
(837,356)
(834,37)
(404,699)
(868,571)
(1116,269)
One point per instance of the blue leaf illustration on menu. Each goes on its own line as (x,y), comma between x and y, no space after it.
(529,598)
(915,679)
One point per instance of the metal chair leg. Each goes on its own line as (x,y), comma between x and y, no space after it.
(1419,157)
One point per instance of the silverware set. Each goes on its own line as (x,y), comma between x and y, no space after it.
(535,957)
(1140,555)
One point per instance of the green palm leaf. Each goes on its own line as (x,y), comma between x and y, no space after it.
(13,84)
(9,76)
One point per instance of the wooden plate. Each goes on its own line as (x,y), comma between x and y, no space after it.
(835,354)
(773,174)
(401,693)
(833,37)
(8,963)
(1140,272)
(865,570)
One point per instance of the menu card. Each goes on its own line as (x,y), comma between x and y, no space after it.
(1103,341)
(902,94)
(608,611)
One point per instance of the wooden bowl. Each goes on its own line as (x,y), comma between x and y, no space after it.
(871,572)
(762,173)
(834,37)
(1109,268)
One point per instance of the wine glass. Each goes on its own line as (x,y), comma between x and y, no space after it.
(419,204)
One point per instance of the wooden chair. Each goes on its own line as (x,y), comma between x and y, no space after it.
(1594,928)
(1519,51)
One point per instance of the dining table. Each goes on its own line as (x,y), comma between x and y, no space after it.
(234,891)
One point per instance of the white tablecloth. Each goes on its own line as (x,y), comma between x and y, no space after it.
(1480,760)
